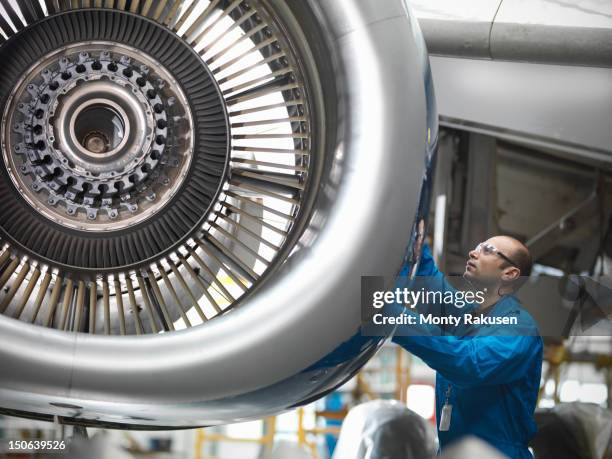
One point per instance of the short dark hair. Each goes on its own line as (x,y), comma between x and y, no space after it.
(522,257)
(523,260)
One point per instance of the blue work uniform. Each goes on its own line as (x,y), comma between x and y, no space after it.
(488,373)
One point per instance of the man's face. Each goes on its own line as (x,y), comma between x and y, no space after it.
(489,269)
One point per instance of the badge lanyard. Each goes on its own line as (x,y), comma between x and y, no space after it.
(447,410)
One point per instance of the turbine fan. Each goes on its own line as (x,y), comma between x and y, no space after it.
(210,160)
(190,193)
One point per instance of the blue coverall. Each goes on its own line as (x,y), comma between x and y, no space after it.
(493,373)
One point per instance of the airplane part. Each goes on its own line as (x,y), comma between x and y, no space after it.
(510,68)
(537,31)
(191,192)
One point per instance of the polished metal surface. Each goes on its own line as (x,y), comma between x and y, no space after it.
(295,335)
(559,32)
(539,31)
(48,103)
(457,28)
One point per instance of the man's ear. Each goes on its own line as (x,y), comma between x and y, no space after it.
(510,273)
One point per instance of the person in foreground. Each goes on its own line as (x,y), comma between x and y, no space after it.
(488,376)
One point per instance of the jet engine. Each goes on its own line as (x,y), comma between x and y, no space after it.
(190,194)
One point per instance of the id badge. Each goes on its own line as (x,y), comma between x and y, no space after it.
(445,418)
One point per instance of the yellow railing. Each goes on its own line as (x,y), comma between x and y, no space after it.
(267,440)
(303,432)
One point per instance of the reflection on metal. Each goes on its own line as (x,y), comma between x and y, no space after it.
(442,196)
(205,311)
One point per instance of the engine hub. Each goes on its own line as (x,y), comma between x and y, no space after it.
(116,156)
(101,136)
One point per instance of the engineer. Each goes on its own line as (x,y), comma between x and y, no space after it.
(488,376)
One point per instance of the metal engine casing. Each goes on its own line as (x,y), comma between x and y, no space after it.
(297,336)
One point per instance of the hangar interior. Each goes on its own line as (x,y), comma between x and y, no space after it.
(524,148)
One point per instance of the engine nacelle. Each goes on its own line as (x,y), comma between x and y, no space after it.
(191,196)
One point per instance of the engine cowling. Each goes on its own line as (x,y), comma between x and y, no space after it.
(192,193)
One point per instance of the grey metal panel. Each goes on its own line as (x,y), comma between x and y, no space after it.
(456,27)
(545,31)
(563,13)
(561,108)
(457,38)
(553,44)
(556,31)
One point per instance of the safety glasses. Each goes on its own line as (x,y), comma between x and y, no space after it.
(487,249)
